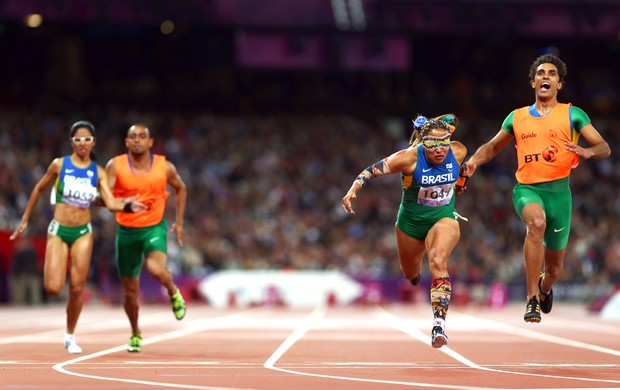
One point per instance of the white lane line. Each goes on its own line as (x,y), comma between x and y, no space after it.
(312,320)
(398,323)
(192,328)
(307,324)
(532,334)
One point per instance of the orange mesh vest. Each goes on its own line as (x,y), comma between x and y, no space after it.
(540,146)
(149,186)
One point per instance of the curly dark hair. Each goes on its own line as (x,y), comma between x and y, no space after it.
(549,59)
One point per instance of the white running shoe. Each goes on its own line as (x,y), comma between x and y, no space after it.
(438,334)
(71,344)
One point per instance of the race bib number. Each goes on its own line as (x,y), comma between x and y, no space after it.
(434,196)
(81,193)
(53,227)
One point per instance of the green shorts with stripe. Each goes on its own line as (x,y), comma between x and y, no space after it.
(557,202)
(68,234)
(134,244)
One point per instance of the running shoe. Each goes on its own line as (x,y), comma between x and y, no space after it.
(71,345)
(135,343)
(416,280)
(532,310)
(438,334)
(178,305)
(546,299)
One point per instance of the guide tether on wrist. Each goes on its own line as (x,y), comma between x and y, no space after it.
(127,207)
(462,180)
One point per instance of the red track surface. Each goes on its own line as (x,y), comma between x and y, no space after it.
(367,347)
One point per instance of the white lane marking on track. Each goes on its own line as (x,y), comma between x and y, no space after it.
(192,328)
(398,323)
(532,334)
(314,317)
(312,320)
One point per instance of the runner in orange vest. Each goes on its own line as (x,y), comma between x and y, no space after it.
(546,136)
(142,240)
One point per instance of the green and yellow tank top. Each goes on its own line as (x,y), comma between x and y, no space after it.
(76,186)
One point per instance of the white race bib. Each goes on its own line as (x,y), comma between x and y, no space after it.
(434,196)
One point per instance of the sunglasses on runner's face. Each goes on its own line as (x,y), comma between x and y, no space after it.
(87,140)
(434,142)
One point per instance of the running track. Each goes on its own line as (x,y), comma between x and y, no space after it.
(267,348)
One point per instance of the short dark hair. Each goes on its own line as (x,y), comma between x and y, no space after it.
(82,124)
(141,124)
(549,59)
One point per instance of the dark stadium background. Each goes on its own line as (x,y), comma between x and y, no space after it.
(270,108)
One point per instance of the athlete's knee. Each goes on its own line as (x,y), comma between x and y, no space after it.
(131,296)
(553,272)
(438,265)
(53,288)
(158,270)
(131,286)
(535,228)
(76,290)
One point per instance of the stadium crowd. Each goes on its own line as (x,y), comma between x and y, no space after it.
(265,185)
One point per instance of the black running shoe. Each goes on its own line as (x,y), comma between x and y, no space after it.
(546,299)
(532,310)
(416,280)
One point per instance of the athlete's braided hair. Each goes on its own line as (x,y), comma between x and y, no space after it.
(421,126)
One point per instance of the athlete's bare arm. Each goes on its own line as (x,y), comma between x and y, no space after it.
(599,148)
(487,152)
(402,161)
(180,196)
(110,170)
(53,170)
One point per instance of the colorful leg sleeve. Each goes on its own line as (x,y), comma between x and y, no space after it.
(441,289)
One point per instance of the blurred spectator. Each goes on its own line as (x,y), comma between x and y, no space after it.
(26,274)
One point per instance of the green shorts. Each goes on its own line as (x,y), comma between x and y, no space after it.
(557,202)
(418,227)
(133,244)
(68,234)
